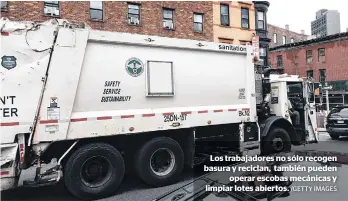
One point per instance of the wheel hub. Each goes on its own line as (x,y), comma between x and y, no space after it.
(162,162)
(278,144)
(95,171)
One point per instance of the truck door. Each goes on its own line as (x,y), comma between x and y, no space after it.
(310,113)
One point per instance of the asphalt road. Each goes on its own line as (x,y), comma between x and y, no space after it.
(133,189)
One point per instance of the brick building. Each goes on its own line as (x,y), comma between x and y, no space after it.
(179,19)
(324,59)
(224,21)
(281,36)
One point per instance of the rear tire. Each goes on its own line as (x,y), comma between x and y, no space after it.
(94,171)
(277,140)
(159,161)
(334,136)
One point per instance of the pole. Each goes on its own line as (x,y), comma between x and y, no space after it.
(327,102)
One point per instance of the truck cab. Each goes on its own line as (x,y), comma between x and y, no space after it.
(291,94)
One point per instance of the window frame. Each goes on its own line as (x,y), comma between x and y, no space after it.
(139,9)
(5,8)
(228,15)
(323,70)
(280,62)
(194,22)
(248,19)
(264,51)
(275,36)
(50,4)
(321,56)
(309,57)
(292,40)
(263,20)
(168,19)
(96,9)
(310,72)
(283,40)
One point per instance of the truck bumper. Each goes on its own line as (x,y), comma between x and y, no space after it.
(9,171)
(341,131)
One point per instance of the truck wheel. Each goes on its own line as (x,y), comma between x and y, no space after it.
(277,140)
(94,171)
(334,136)
(160,161)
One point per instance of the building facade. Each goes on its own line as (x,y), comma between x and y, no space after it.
(327,22)
(189,20)
(234,22)
(282,36)
(324,59)
(261,9)
(237,22)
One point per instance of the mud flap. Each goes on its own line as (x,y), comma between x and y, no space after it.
(9,170)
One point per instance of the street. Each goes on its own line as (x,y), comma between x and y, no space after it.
(133,189)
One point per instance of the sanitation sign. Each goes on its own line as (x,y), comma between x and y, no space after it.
(134,67)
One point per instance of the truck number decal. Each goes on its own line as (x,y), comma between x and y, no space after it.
(244,113)
(174,117)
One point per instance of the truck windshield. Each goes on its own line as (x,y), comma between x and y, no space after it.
(294,89)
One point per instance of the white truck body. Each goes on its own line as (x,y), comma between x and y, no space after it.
(89,90)
(63,84)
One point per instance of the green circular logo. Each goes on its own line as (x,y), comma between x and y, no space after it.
(134,67)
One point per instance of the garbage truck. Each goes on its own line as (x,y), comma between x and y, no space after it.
(104,104)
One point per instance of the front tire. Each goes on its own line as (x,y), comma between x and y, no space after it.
(159,161)
(94,171)
(277,140)
(334,136)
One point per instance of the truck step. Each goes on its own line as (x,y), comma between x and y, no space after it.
(49,177)
(41,182)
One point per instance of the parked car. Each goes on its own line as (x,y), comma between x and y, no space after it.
(201,189)
(337,122)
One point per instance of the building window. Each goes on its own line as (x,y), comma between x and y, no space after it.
(263,52)
(260,20)
(245,18)
(275,38)
(322,76)
(244,42)
(4,5)
(284,40)
(321,54)
(51,8)
(133,14)
(198,22)
(309,74)
(226,40)
(225,15)
(96,10)
(168,18)
(309,57)
(292,40)
(279,61)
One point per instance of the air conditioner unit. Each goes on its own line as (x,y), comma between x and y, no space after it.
(52,11)
(133,20)
(168,25)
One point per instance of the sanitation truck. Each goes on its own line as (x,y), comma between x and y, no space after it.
(105,104)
